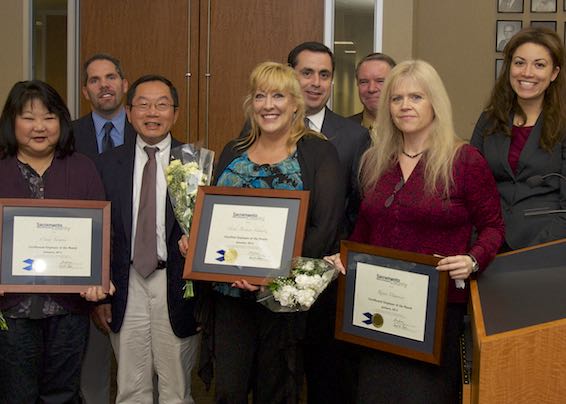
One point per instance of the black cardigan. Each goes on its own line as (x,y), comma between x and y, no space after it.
(323,177)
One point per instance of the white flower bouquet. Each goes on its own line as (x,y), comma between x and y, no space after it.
(190,167)
(297,292)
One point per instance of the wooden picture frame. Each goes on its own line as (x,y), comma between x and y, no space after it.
(245,233)
(392,300)
(54,245)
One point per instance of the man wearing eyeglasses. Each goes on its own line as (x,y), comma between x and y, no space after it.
(105,127)
(152,327)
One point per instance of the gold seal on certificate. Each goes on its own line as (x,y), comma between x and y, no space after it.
(377,320)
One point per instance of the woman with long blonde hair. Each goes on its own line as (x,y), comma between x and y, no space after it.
(255,349)
(424,190)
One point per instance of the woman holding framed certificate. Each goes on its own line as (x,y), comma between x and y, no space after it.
(42,348)
(424,191)
(255,348)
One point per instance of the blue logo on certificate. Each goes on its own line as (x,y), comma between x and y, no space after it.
(29,266)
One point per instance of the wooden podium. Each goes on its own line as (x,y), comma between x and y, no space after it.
(519,327)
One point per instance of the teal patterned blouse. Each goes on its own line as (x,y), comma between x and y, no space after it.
(244,173)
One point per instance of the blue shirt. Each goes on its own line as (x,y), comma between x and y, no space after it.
(117,132)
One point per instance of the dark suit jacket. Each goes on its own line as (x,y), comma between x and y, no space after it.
(116,169)
(516,194)
(351,141)
(358,118)
(85,135)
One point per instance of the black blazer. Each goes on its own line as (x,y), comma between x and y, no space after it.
(85,135)
(358,118)
(116,169)
(321,176)
(351,141)
(516,194)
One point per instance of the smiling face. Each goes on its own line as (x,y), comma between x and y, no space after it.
(314,71)
(273,112)
(531,72)
(411,109)
(104,88)
(371,76)
(37,131)
(152,113)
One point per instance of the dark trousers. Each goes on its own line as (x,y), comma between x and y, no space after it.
(386,378)
(255,350)
(330,365)
(41,359)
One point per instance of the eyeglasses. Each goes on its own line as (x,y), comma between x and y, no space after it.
(160,106)
(399,185)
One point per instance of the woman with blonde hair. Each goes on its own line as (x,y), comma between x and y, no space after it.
(256,349)
(424,190)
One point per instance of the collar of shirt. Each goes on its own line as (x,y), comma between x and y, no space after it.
(367,120)
(316,120)
(117,133)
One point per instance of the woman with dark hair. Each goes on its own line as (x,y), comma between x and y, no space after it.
(43,347)
(521,135)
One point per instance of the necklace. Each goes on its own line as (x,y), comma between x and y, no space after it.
(412,156)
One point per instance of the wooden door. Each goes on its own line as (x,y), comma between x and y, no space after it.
(235,36)
(147,36)
(206,47)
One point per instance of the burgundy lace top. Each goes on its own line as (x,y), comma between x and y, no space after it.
(430,224)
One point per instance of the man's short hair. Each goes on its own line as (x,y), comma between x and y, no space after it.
(152,77)
(312,47)
(382,57)
(102,56)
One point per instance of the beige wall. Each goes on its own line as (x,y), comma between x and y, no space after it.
(398,28)
(11,45)
(457,37)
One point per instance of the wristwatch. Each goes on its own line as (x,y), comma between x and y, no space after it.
(475,266)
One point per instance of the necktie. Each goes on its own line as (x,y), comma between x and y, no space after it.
(107,142)
(307,123)
(145,243)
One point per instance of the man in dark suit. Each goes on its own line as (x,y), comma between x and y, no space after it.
(371,73)
(106,126)
(327,360)
(153,328)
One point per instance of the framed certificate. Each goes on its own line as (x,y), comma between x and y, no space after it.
(392,300)
(54,246)
(243,233)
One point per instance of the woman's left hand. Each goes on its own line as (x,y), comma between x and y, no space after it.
(243,284)
(96,293)
(459,266)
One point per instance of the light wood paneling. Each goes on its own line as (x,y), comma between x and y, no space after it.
(244,33)
(147,36)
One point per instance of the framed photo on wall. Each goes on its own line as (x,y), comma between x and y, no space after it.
(510,6)
(543,6)
(544,24)
(504,32)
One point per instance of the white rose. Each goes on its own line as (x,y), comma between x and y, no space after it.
(305,297)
